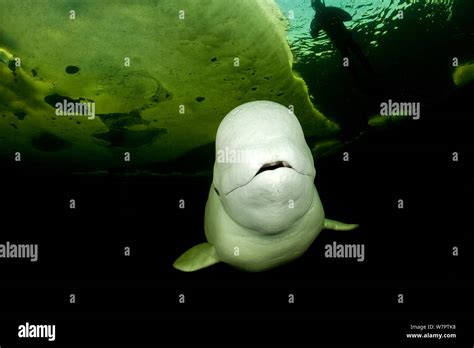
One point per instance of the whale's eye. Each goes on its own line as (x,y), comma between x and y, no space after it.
(272,166)
(217,191)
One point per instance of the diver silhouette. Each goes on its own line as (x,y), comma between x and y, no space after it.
(331,20)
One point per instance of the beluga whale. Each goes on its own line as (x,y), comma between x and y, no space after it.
(263,209)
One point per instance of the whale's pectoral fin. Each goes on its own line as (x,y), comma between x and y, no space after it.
(338,226)
(199,256)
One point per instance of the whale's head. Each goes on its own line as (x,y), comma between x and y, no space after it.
(264,170)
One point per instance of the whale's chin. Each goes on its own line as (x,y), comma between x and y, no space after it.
(272,201)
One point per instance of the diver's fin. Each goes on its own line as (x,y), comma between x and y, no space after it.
(199,256)
(338,226)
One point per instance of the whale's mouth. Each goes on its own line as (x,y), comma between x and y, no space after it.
(266,167)
(273,166)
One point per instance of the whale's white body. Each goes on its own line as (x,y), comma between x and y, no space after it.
(257,252)
(263,209)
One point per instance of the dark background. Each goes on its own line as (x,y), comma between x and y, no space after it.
(129,300)
(135,299)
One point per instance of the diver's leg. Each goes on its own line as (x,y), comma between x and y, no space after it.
(351,126)
(355,48)
(345,53)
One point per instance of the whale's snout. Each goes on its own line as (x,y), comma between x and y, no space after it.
(273,166)
(264,169)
